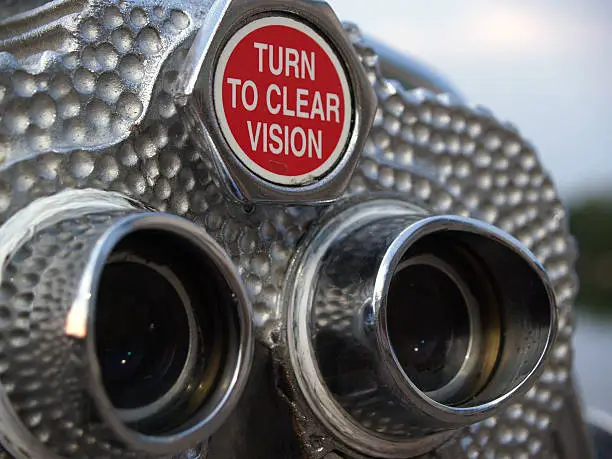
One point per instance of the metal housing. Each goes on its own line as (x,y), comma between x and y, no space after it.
(58,405)
(88,100)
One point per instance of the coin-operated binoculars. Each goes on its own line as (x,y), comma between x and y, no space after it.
(230,230)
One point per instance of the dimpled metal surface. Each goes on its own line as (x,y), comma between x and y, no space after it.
(41,368)
(84,78)
(67,122)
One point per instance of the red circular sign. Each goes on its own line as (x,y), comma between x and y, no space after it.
(283,101)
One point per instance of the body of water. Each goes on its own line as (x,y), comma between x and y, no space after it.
(593,360)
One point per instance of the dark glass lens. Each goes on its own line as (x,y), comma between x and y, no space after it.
(142,334)
(428,324)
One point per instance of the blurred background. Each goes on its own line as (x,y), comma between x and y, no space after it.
(546,66)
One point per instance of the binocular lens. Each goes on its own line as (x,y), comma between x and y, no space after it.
(160,307)
(429,325)
(143,333)
(147,331)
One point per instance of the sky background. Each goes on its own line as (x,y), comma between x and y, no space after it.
(545,65)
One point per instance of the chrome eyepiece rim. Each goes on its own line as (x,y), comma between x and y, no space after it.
(479,405)
(233,371)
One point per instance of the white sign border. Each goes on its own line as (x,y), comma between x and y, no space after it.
(290,180)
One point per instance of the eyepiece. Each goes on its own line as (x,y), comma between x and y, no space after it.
(171,329)
(465,305)
(142,327)
(405,326)
(160,328)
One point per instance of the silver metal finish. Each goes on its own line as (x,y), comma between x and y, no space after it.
(76,74)
(52,378)
(87,102)
(196,84)
(339,337)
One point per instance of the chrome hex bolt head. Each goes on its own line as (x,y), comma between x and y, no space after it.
(275,94)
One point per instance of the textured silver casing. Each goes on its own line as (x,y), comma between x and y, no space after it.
(344,362)
(54,401)
(86,102)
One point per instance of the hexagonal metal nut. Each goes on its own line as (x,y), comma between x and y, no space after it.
(274,93)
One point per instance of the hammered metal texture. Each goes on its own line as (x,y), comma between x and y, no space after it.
(84,78)
(432,150)
(42,369)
